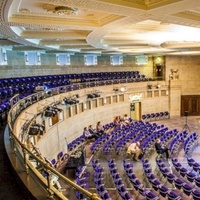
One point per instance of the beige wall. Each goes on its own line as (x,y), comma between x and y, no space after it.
(17,70)
(189,72)
(59,135)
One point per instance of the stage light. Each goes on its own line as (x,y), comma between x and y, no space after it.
(36,129)
(48,92)
(116,89)
(70,101)
(51,111)
(93,95)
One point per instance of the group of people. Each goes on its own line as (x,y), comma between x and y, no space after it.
(120,121)
(135,149)
(90,132)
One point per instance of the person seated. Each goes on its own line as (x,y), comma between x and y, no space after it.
(160,149)
(135,149)
(116,122)
(126,119)
(99,129)
(88,135)
(92,130)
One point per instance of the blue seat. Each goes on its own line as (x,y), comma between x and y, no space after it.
(190,176)
(172,195)
(187,189)
(54,162)
(196,194)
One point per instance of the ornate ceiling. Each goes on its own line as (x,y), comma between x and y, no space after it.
(130,27)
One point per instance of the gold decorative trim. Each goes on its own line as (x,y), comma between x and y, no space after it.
(60,10)
(188,15)
(30,19)
(142,4)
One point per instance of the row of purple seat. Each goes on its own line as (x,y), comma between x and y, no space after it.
(99,179)
(136,182)
(190,142)
(69,78)
(156,183)
(156,116)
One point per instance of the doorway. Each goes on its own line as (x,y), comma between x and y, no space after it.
(158,71)
(135,110)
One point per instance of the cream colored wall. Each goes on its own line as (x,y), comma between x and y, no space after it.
(57,136)
(189,72)
(156,104)
(175,97)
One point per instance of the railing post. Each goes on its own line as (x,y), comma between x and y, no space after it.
(50,192)
(25,159)
(14,145)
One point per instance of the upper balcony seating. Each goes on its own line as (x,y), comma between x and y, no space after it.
(25,86)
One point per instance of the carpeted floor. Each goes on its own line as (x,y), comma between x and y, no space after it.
(193,125)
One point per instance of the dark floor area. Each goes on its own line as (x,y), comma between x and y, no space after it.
(10,187)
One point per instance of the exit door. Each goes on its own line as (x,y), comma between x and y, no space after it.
(135,111)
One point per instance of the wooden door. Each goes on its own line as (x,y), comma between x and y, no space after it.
(190,103)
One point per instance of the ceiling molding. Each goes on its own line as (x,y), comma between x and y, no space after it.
(125,27)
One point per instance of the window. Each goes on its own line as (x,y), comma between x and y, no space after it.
(116,60)
(62,59)
(141,60)
(32,58)
(90,59)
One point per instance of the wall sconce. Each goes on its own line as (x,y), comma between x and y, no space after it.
(123,89)
(157,86)
(158,59)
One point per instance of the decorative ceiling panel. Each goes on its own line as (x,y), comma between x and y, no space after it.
(120,26)
(142,4)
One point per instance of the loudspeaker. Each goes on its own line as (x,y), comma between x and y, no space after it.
(186,113)
(132,107)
